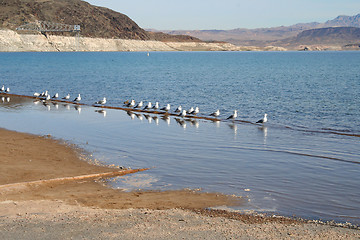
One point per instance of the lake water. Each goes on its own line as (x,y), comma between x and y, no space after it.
(305,161)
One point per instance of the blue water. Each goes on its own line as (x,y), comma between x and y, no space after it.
(305,161)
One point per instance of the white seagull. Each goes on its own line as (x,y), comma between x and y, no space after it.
(102,102)
(233,116)
(78,99)
(56,95)
(7,90)
(47,98)
(183,113)
(190,110)
(36,94)
(67,97)
(2,88)
(139,105)
(156,106)
(196,111)
(131,103)
(148,106)
(167,108)
(216,113)
(179,109)
(263,120)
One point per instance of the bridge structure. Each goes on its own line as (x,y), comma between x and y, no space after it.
(45,26)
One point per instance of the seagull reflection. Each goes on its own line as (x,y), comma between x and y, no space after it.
(139,116)
(217,123)
(181,122)
(56,105)
(131,114)
(264,130)
(36,102)
(77,108)
(67,106)
(234,127)
(47,105)
(156,119)
(148,117)
(166,119)
(3,99)
(101,111)
(7,99)
(194,123)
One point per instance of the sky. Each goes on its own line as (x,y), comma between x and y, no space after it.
(228,14)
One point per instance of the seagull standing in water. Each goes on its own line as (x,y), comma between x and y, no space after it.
(183,113)
(139,105)
(131,103)
(67,97)
(78,98)
(190,110)
(216,113)
(36,94)
(263,120)
(232,117)
(7,90)
(178,109)
(196,111)
(101,102)
(2,88)
(156,106)
(167,108)
(148,106)
(56,95)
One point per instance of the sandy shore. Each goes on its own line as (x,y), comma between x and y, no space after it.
(85,208)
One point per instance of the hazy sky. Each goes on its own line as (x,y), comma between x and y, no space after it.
(228,14)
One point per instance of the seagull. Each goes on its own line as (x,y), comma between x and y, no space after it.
(156,106)
(263,120)
(167,108)
(131,103)
(78,98)
(139,105)
(7,90)
(196,111)
(36,94)
(45,94)
(56,95)
(179,109)
(102,102)
(183,113)
(2,88)
(233,116)
(190,110)
(67,97)
(216,113)
(148,106)
(47,98)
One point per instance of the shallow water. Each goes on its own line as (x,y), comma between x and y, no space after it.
(303,167)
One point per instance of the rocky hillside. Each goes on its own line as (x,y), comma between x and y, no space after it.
(94,21)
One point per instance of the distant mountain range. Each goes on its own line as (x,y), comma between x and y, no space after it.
(266,36)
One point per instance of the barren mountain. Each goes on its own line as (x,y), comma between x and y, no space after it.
(262,36)
(94,21)
(331,36)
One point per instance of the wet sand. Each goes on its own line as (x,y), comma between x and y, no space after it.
(87,208)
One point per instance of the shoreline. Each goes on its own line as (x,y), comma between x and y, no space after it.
(12,41)
(27,157)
